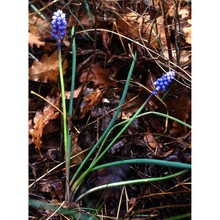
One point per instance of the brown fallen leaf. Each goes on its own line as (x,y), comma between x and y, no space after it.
(139,27)
(39,27)
(76,149)
(110,175)
(133,102)
(100,76)
(184,12)
(149,138)
(54,187)
(47,68)
(90,101)
(166,153)
(187,32)
(186,23)
(34,40)
(41,119)
(75,93)
(179,106)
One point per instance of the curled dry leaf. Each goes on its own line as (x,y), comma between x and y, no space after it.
(101,77)
(34,40)
(149,138)
(75,93)
(90,101)
(139,28)
(41,119)
(47,68)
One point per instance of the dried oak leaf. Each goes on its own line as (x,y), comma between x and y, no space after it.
(187,32)
(140,28)
(41,119)
(47,68)
(39,27)
(90,101)
(34,40)
(101,77)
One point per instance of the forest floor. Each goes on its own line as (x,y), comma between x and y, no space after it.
(107,36)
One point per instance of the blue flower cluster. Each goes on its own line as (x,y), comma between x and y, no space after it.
(162,83)
(59,25)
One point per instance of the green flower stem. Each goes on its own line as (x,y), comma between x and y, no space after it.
(64,120)
(80,179)
(164,163)
(73,73)
(140,115)
(184,216)
(130,182)
(69,137)
(122,130)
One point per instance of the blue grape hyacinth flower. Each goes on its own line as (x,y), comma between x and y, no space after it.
(163,82)
(59,25)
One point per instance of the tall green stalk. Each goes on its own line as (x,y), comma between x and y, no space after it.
(94,162)
(80,179)
(64,120)
(70,111)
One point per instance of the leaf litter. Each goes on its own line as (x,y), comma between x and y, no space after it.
(103,62)
(41,119)
(47,68)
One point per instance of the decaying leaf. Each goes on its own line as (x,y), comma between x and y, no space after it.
(117,147)
(47,68)
(187,32)
(166,154)
(100,76)
(41,119)
(92,99)
(149,138)
(177,129)
(76,149)
(185,56)
(186,23)
(110,175)
(140,28)
(132,104)
(179,106)
(184,12)
(39,27)
(75,93)
(53,187)
(34,40)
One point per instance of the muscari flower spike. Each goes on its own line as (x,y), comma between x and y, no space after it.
(59,25)
(163,82)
